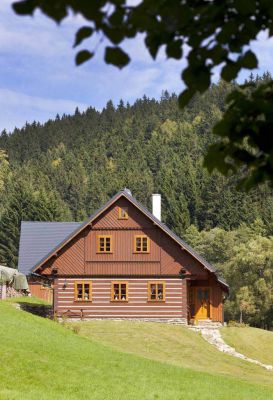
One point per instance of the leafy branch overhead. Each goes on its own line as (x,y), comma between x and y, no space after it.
(216,34)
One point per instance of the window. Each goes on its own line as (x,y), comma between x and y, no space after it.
(156,291)
(142,244)
(83,291)
(119,291)
(104,244)
(122,213)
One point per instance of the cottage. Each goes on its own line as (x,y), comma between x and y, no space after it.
(121,263)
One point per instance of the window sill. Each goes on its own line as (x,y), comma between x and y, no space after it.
(119,301)
(141,252)
(156,301)
(104,252)
(82,301)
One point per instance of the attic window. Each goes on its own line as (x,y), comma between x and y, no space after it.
(142,244)
(104,244)
(123,213)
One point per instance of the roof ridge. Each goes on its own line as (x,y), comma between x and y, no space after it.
(145,211)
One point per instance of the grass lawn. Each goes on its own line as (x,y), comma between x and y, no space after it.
(174,345)
(41,359)
(253,342)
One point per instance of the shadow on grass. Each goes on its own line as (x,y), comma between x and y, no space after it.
(42,310)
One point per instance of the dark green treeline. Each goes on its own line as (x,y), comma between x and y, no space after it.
(68,167)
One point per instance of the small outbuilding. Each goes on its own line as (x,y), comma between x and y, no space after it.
(11,282)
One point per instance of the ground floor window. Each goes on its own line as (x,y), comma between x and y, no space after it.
(83,291)
(119,291)
(156,291)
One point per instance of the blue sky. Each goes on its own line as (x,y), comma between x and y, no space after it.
(38,76)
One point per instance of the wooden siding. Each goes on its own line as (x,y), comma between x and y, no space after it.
(165,258)
(70,259)
(122,268)
(173,258)
(122,246)
(38,290)
(137,306)
(165,261)
(109,218)
(216,302)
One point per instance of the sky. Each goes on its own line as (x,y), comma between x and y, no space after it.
(39,79)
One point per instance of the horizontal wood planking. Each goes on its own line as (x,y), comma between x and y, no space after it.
(137,305)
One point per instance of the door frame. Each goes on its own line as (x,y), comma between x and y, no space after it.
(195,293)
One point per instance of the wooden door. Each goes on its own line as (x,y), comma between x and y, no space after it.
(202,303)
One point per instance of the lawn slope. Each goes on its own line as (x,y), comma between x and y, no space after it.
(253,342)
(171,344)
(41,359)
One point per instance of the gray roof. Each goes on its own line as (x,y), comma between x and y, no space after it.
(37,239)
(55,244)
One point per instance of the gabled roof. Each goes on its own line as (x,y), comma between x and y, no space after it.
(37,239)
(127,194)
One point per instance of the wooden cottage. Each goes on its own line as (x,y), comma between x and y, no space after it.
(122,263)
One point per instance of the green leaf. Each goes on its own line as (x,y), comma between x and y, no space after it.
(215,159)
(153,42)
(83,56)
(116,56)
(174,49)
(249,60)
(230,71)
(83,33)
(184,98)
(24,7)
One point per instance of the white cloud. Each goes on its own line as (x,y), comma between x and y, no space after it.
(17,107)
(39,79)
(15,99)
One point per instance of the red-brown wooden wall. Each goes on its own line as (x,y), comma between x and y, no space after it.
(137,306)
(166,259)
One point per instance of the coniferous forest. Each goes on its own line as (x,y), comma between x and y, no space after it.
(66,168)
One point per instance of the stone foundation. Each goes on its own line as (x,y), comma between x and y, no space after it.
(172,321)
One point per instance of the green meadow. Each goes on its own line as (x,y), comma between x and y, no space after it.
(105,360)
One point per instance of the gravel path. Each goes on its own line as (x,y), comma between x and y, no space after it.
(213,336)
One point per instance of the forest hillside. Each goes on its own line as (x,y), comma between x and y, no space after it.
(66,168)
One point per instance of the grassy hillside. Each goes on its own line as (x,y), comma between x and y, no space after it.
(170,344)
(253,342)
(42,359)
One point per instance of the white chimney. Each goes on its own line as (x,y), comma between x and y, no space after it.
(156,201)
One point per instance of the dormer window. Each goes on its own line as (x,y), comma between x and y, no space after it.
(123,213)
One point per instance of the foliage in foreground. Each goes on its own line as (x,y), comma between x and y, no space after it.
(217,34)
